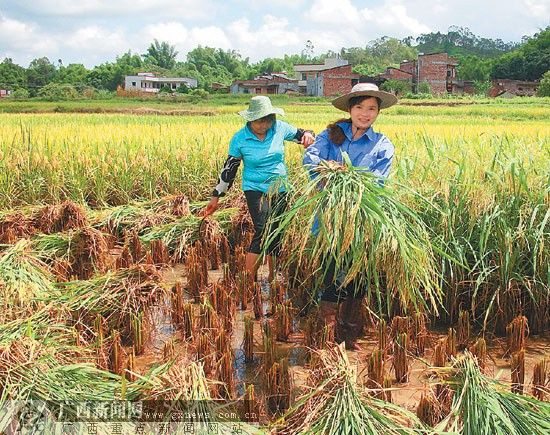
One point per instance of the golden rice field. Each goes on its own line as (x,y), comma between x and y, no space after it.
(112,287)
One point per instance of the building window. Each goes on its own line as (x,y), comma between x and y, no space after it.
(304,76)
(134,84)
(174,86)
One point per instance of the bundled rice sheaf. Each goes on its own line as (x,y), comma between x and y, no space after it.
(366,230)
(15,226)
(181,234)
(336,405)
(60,217)
(116,296)
(484,406)
(24,280)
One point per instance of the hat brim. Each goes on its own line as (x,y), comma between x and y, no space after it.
(387,99)
(253,116)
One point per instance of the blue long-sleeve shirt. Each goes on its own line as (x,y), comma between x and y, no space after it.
(372,151)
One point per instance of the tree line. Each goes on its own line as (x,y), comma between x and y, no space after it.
(480,59)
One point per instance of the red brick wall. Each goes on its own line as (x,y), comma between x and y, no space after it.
(396,74)
(433,69)
(338,80)
(408,67)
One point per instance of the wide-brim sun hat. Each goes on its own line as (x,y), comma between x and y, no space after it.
(367,90)
(259,107)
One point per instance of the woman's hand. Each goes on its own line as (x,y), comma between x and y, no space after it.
(211,207)
(307,139)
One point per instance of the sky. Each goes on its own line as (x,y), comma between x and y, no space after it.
(94,31)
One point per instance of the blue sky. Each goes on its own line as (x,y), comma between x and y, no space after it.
(95,31)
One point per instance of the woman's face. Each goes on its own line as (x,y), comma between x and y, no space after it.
(364,113)
(260,126)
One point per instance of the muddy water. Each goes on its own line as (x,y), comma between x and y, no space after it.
(404,394)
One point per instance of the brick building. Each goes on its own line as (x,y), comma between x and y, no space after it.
(330,82)
(512,88)
(392,73)
(276,83)
(333,77)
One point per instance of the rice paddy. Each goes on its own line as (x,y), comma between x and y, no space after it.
(113,287)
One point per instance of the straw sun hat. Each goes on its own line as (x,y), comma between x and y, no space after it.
(259,107)
(367,90)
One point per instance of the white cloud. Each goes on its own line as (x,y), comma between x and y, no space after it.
(273,37)
(20,37)
(537,8)
(342,13)
(394,15)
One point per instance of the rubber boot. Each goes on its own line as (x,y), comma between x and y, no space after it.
(350,322)
(328,312)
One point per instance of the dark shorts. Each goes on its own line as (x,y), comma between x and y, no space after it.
(261,207)
(333,292)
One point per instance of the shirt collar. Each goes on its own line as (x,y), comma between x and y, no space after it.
(346,128)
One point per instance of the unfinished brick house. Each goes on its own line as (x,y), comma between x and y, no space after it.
(436,69)
(512,88)
(275,83)
(333,77)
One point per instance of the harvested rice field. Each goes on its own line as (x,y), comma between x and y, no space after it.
(123,310)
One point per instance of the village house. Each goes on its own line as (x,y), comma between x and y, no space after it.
(506,88)
(148,82)
(4,93)
(274,83)
(333,77)
(438,70)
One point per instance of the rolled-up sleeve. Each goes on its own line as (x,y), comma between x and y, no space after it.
(384,159)
(316,152)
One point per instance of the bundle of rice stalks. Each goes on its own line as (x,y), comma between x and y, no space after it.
(375,374)
(334,404)
(257,302)
(516,334)
(479,351)
(60,217)
(369,234)
(15,226)
(117,296)
(129,217)
(484,406)
(181,234)
(177,205)
(517,365)
(540,382)
(24,280)
(400,357)
(283,320)
(278,386)
(451,344)
(429,409)
(86,250)
(48,370)
(419,332)
(248,340)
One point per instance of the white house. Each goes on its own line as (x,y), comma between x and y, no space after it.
(148,82)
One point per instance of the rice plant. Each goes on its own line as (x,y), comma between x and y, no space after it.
(367,232)
(482,405)
(334,403)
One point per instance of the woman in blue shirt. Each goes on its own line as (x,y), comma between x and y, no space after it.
(260,146)
(340,307)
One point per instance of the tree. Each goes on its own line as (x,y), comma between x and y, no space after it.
(529,62)
(544,87)
(39,73)
(74,74)
(12,76)
(398,87)
(161,54)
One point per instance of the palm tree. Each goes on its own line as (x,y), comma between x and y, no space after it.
(161,54)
